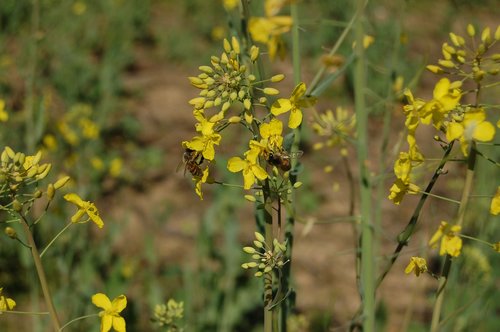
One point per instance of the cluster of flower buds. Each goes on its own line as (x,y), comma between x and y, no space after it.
(469,60)
(265,258)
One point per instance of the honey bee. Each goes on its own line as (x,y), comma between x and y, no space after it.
(281,159)
(192,161)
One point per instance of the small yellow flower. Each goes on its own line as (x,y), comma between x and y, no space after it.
(249,167)
(271,134)
(268,30)
(115,167)
(496,246)
(495,203)
(199,181)
(110,316)
(4,116)
(399,189)
(451,243)
(6,303)
(473,127)
(293,105)
(446,96)
(205,143)
(84,208)
(417,265)
(230,4)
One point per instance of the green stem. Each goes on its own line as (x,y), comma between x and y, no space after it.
(54,239)
(469,181)
(77,319)
(441,197)
(367,258)
(41,274)
(268,277)
(30,136)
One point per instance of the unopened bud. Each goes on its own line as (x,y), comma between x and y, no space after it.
(470,30)
(37,194)
(11,232)
(61,182)
(236,45)
(50,191)
(277,78)
(254,53)
(234,119)
(486,36)
(227,46)
(271,91)
(17,206)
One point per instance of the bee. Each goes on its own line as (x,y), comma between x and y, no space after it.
(192,161)
(281,159)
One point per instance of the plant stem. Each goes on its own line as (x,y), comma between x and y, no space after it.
(30,135)
(367,259)
(54,239)
(268,277)
(41,274)
(469,181)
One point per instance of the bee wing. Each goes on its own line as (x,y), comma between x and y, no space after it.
(296,154)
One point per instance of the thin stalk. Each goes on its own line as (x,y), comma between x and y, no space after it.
(54,239)
(41,274)
(469,181)
(77,319)
(30,81)
(268,277)
(367,259)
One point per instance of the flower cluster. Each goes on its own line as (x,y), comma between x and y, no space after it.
(84,208)
(168,315)
(418,265)
(228,85)
(465,123)
(337,128)
(451,243)
(77,125)
(266,258)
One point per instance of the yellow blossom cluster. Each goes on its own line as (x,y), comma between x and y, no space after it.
(229,85)
(77,125)
(168,314)
(337,128)
(264,258)
(6,303)
(465,123)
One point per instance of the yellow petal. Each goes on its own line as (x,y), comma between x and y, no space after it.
(295,118)
(454,131)
(410,267)
(484,132)
(298,92)
(106,323)
(77,216)
(441,88)
(119,303)
(281,106)
(259,172)
(119,324)
(101,300)
(236,164)
(75,199)
(96,219)
(248,178)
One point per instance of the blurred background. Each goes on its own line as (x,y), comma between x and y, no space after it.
(106,83)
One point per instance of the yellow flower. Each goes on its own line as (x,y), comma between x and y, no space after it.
(84,208)
(451,243)
(293,105)
(495,203)
(338,127)
(473,127)
(249,166)
(446,96)
(110,316)
(402,167)
(271,134)
(199,181)
(496,246)
(4,116)
(412,111)
(115,167)
(417,265)
(399,189)
(230,4)
(267,30)
(205,143)
(6,303)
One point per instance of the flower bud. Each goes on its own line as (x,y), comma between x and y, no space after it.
(277,78)
(271,91)
(470,30)
(234,119)
(236,45)
(486,36)
(17,206)
(249,250)
(227,46)
(254,53)
(11,232)
(43,171)
(206,69)
(250,198)
(50,191)
(434,69)
(259,237)
(225,106)
(497,33)
(37,194)
(247,104)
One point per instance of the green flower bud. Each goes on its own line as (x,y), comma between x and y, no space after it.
(227,46)
(249,250)
(271,91)
(206,69)
(259,237)
(250,198)
(277,78)
(37,194)
(17,206)
(50,191)
(486,36)
(11,232)
(470,30)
